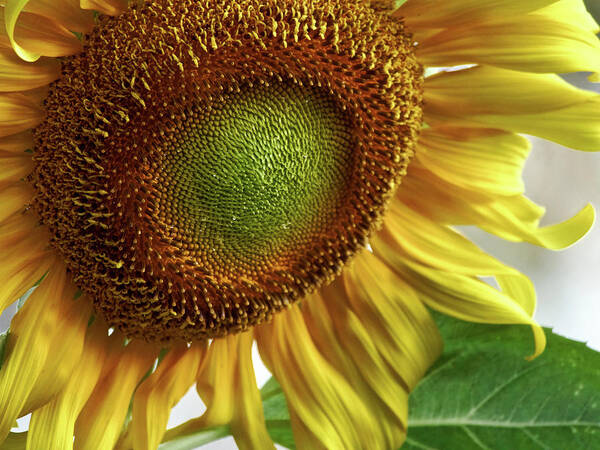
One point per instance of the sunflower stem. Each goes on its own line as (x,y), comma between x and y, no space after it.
(197,439)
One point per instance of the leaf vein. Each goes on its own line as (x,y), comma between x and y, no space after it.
(459,421)
(502,386)
(474,438)
(419,445)
(534,439)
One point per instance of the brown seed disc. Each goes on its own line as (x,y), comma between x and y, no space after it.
(204,164)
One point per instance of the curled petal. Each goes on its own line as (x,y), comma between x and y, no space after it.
(109,7)
(32,36)
(513,218)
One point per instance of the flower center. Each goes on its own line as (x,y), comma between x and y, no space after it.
(204,164)
(255,177)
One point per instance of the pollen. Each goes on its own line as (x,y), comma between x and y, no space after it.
(205,164)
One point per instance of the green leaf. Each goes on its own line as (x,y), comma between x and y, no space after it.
(483,394)
(277,417)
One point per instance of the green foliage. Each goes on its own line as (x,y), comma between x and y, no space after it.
(483,394)
(277,416)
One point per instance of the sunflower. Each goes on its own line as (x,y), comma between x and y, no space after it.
(181,179)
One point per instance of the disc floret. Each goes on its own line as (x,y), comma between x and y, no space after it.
(204,164)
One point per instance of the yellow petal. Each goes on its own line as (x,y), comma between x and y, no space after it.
(57,418)
(492,162)
(490,90)
(414,236)
(110,7)
(576,126)
(66,344)
(408,236)
(573,12)
(531,43)
(33,36)
(215,380)
(101,420)
(517,219)
(18,75)
(438,199)
(401,327)
(502,218)
(11,13)
(28,346)
(320,399)
(18,113)
(67,13)
(17,143)
(346,343)
(156,396)
(14,169)
(26,258)
(248,425)
(227,385)
(519,288)
(361,346)
(436,14)
(541,105)
(464,297)
(14,200)
(513,218)
(371,327)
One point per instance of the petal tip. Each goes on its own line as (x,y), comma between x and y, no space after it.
(594,78)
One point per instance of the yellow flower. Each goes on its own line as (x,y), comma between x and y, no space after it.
(189,177)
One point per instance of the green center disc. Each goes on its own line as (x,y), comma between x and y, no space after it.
(257,174)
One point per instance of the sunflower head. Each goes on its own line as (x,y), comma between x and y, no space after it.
(196,166)
(204,164)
